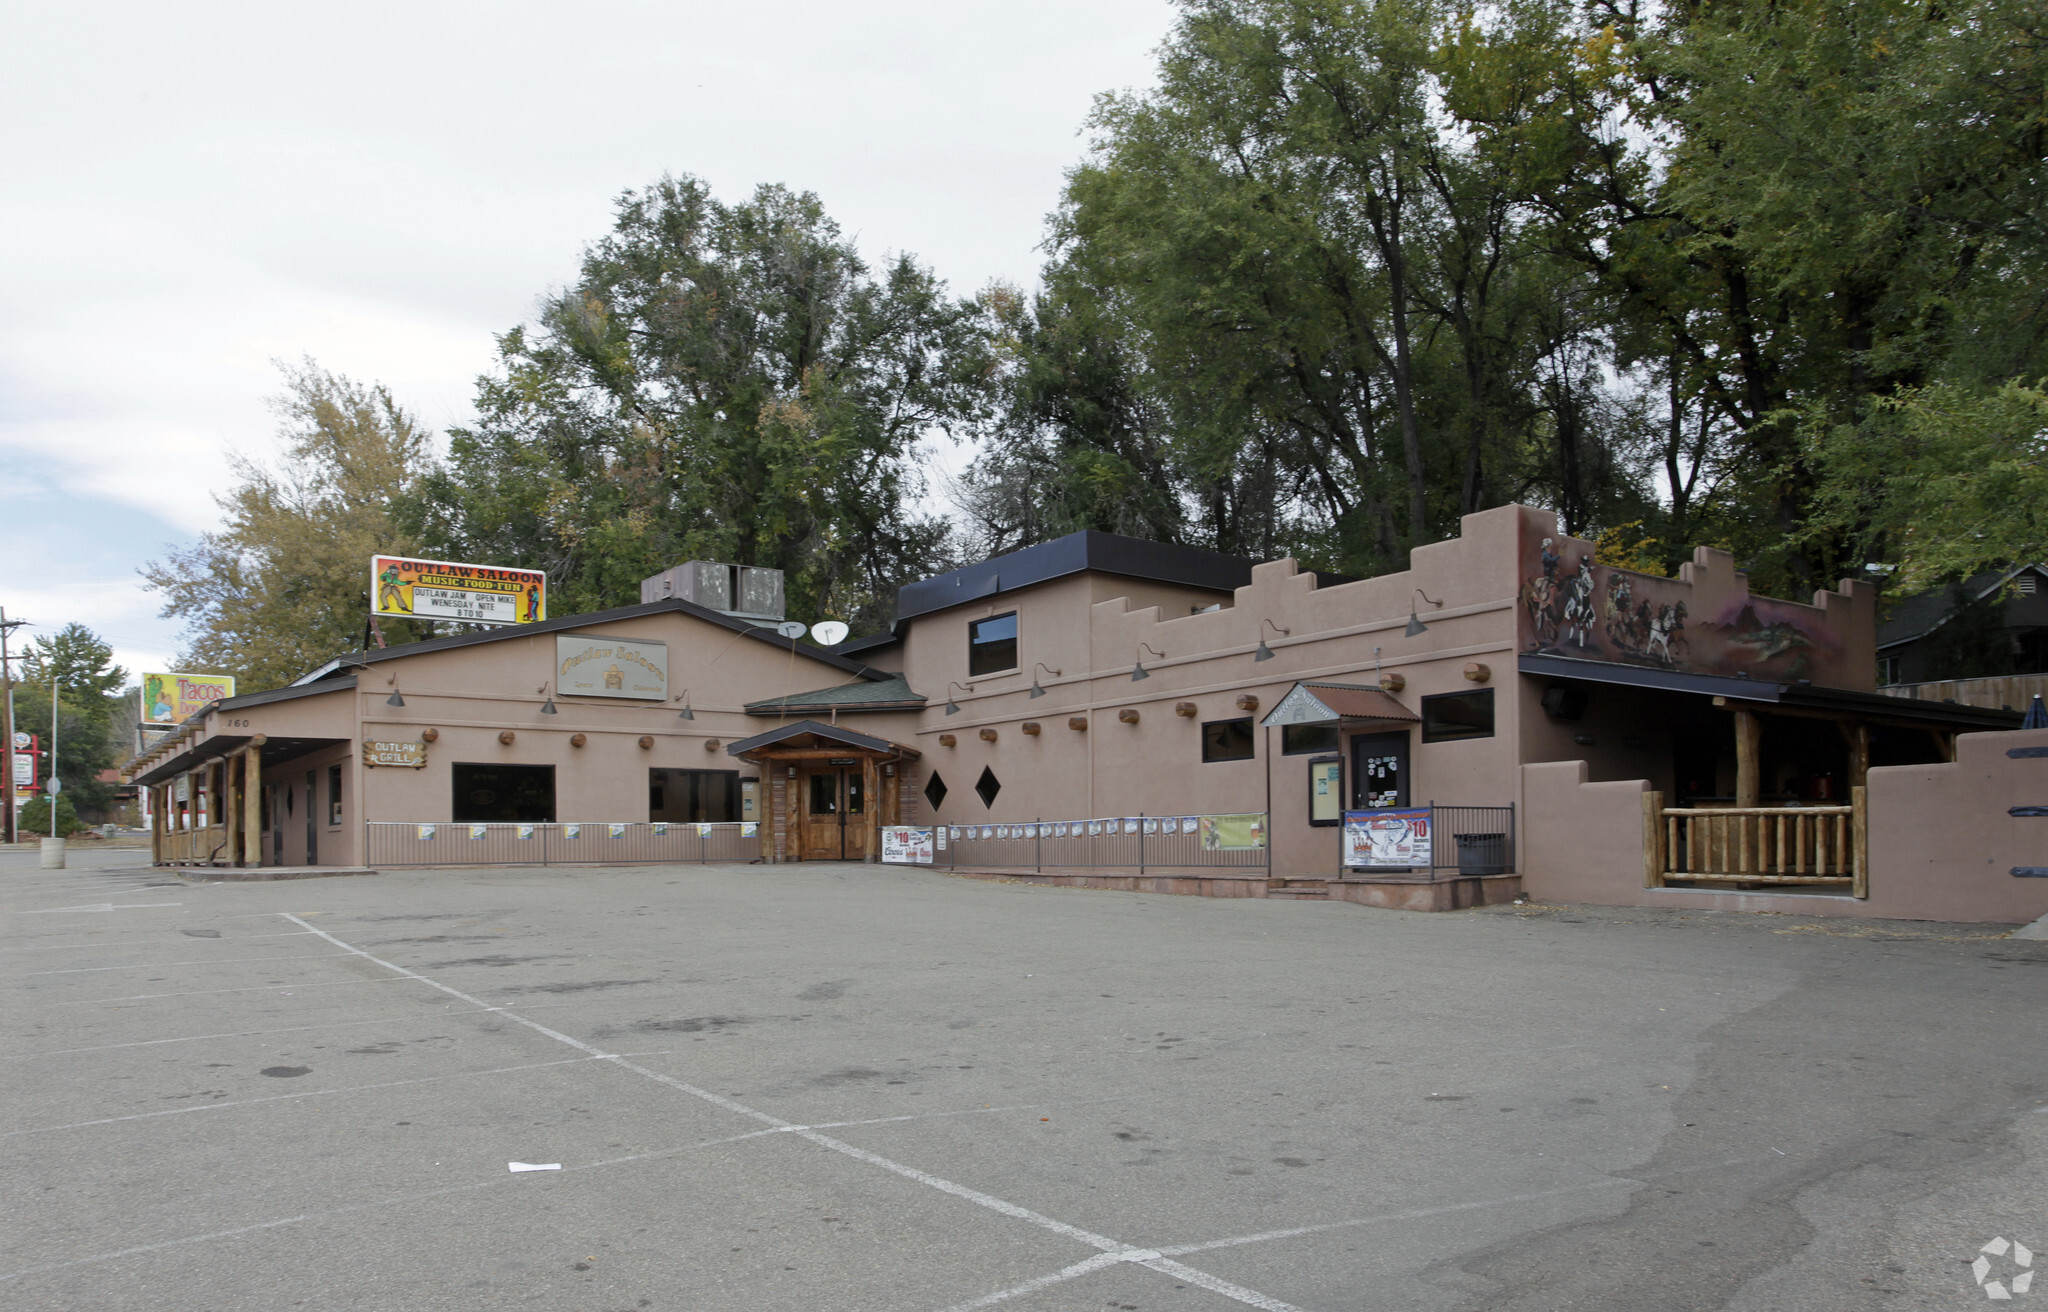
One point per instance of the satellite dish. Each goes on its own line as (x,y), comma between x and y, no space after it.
(791,629)
(829,633)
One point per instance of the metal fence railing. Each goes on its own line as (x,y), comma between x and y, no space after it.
(1140,842)
(602,843)
(1473,840)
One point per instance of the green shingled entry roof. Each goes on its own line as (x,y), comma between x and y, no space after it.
(888,694)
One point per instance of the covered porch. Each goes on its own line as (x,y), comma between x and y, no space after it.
(1753,784)
(208,800)
(831,791)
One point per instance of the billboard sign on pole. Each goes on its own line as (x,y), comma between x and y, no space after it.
(167,699)
(448,590)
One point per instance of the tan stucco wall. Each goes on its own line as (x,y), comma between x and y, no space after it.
(1155,767)
(1581,841)
(1942,844)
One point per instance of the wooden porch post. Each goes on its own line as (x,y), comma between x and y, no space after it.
(1749,734)
(1653,840)
(1859,841)
(156,824)
(870,778)
(252,802)
(1858,735)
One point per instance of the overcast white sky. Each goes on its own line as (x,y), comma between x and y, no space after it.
(193,191)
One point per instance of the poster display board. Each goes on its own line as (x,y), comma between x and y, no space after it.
(451,590)
(1326,790)
(168,699)
(1231,832)
(907,847)
(1392,839)
(611,667)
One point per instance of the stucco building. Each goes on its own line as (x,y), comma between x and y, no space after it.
(1037,709)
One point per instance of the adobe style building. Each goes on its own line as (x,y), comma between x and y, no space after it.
(1104,710)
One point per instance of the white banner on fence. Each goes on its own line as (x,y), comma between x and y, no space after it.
(907,847)
(1387,839)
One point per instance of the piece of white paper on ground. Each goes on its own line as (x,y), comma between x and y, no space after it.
(529,1166)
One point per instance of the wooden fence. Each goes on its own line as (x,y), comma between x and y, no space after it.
(209,844)
(1763,845)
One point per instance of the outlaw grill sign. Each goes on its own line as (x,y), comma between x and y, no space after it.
(411,755)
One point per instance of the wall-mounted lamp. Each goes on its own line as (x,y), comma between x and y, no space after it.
(1265,653)
(953,707)
(1138,667)
(686,713)
(1416,628)
(548,707)
(1037,691)
(394,699)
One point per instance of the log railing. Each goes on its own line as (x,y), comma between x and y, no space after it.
(1764,845)
(208,844)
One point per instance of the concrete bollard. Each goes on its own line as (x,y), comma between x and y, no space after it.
(53,854)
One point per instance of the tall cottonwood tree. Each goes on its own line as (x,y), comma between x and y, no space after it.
(283,585)
(723,381)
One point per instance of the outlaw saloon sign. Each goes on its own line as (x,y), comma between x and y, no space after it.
(447,590)
(611,667)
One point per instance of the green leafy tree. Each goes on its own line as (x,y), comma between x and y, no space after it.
(283,585)
(35,817)
(77,666)
(724,381)
(1328,288)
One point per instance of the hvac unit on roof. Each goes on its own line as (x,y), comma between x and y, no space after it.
(742,590)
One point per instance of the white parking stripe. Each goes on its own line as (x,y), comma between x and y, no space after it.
(167,965)
(288,1097)
(1150,1258)
(152,938)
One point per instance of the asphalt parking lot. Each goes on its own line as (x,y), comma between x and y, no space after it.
(846,1087)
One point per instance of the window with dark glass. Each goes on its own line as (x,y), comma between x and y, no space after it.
(856,792)
(1455,715)
(686,796)
(825,794)
(333,794)
(503,794)
(1307,739)
(988,786)
(935,791)
(992,645)
(1228,740)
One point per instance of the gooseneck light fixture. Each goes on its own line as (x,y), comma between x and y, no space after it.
(548,707)
(1265,653)
(1037,691)
(1138,670)
(953,707)
(1416,628)
(686,713)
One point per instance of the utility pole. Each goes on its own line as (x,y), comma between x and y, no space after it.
(7,628)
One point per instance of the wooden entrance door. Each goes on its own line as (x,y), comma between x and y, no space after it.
(835,815)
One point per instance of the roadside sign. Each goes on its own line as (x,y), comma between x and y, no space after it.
(452,590)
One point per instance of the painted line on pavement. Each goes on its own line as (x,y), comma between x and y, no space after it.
(1215,1284)
(170,965)
(290,1097)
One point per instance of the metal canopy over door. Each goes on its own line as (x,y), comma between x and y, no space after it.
(1379,770)
(835,824)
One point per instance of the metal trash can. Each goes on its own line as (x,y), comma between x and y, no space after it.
(1482,854)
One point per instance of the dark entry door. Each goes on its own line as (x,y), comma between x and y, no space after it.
(1379,771)
(835,818)
(312,817)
